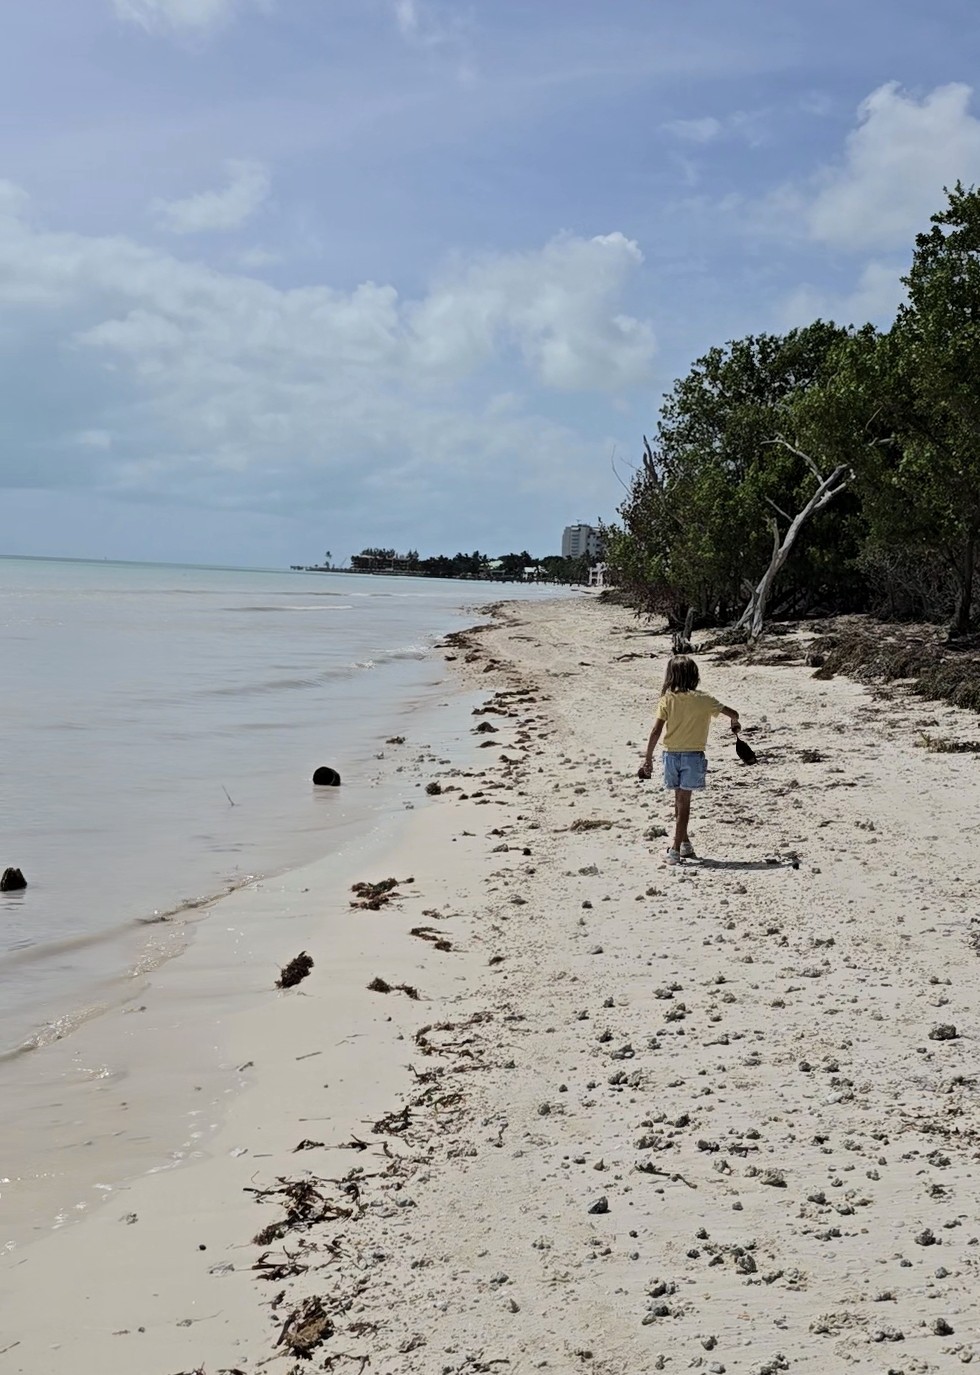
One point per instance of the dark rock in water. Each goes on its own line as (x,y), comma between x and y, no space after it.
(12,881)
(325,777)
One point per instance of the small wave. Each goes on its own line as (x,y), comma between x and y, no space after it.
(260,689)
(279,607)
(57,1028)
(54,1031)
(319,680)
(37,951)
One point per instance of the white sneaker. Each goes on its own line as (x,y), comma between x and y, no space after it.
(687,850)
(673,857)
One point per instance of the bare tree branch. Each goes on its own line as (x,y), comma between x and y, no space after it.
(779,510)
(754,615)
(799,454)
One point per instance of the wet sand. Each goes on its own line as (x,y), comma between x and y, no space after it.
(610,1116)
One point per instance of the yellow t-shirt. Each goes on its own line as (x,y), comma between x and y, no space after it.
(688,716)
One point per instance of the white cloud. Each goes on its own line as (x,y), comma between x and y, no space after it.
(874,299)
(94,439)
(228,208)
(195,16)
(428,24)
(695,130)
(557,306)
(890,179)
(748,126)
(217,388)
(253,259)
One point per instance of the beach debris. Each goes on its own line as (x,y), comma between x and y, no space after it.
(379,985)
(371,897)
(308,1145)
(326,777)
(295,971)
(12,881)
(427,933)
(590,823)
(393,1123)
(306,1328)
(395,740)
(945,1031)
(601,1205)
(433,789)
(271,1269)
(305,1204)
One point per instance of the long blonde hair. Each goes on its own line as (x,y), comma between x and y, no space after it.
(682,675)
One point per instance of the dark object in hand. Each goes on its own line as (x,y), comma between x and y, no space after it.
(644,773)
(745,752)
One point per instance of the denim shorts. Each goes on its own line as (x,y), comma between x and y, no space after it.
(685,769)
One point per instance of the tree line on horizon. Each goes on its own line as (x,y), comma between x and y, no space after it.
(504,567)
(829,469)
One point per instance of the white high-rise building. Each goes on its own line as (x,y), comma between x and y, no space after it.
(579,540)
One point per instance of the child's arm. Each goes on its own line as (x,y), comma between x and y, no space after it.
(732,714)
(646,768)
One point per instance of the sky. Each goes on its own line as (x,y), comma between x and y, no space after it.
(286,276)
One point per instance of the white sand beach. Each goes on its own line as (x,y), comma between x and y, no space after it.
(720,1117)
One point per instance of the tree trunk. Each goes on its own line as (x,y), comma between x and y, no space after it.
(682,638)
(754,616)
(962,615)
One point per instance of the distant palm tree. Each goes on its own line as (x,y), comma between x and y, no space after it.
(327,559)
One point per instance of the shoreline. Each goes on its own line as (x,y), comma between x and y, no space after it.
(637,1118)
(96,1106)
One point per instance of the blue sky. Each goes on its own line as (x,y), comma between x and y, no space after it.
(278,276)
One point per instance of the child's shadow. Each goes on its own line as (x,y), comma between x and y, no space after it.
(756,866)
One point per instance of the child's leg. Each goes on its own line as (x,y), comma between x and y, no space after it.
(682,815)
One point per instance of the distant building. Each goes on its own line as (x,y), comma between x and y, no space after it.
(580,541)
(381,562)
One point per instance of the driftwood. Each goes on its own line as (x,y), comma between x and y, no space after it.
(753,618)
(682,638)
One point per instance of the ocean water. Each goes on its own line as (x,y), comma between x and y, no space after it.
(160,726)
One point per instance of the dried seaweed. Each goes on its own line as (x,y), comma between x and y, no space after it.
(371,897)
(436,938)
(306,1328)
(295,971)
(378,985)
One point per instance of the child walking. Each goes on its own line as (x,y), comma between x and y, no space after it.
(683,717)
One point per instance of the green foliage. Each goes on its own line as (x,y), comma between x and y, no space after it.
(901,409)
(506,568)
(696,526)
